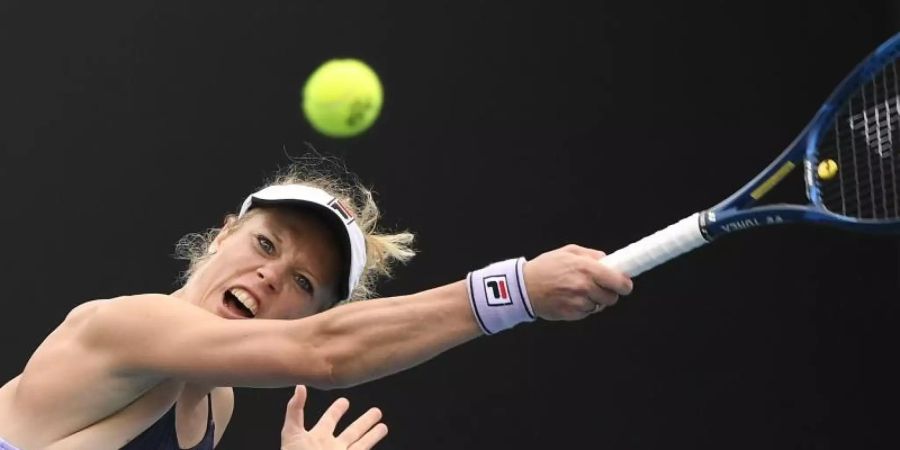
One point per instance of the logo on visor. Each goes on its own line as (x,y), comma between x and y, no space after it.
(495,289)
(342,211)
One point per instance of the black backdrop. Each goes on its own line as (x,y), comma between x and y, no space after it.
(124,125)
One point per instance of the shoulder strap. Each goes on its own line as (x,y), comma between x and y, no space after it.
(209,414)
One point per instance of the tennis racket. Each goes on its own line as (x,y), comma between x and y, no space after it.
(848,153)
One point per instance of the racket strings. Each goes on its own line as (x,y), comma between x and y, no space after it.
(864,141)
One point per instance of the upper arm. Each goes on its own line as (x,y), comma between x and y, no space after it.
(158,335)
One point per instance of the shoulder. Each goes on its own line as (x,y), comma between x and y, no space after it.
(223,408)
(86,309)
(130,307)
(83,318)
(127,322)
(83,310)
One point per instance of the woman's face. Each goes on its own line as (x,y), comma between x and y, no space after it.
(278,263)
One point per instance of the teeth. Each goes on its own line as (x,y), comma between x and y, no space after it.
(245,298)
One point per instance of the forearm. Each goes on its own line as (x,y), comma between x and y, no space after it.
(371,339)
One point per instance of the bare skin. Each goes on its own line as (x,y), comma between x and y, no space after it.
(362,434)
(113,367)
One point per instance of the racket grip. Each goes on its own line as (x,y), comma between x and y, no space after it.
(657,248)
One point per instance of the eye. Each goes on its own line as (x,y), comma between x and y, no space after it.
(304,283)
(265,244)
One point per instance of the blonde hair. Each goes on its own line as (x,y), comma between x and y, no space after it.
(383,249)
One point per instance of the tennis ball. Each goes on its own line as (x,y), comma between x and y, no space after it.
(342,98)
(827,169)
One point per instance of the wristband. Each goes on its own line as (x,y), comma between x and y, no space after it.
(498,296)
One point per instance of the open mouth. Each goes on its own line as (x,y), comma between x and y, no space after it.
(235,306)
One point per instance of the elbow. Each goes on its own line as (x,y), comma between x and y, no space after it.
(316,372)
(345,382)
(340,368)
(328,380)
(331,360)
(322,370)
(336,375)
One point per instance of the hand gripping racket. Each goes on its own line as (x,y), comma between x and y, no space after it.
(849,153)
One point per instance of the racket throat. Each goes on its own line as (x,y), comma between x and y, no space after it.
(716,223)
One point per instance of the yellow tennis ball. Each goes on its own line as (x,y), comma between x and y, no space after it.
(342,98)
(827,169)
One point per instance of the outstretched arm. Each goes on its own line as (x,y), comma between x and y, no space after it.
(369,340)
(347,345)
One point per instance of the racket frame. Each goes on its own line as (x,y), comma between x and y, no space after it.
(733,214)
(737,213)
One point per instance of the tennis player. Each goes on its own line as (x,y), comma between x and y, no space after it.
(270,300)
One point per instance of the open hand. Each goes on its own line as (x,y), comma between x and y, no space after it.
(362,434)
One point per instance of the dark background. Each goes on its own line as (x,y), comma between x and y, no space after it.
(124,125)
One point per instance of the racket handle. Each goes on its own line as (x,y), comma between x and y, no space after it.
(657,248)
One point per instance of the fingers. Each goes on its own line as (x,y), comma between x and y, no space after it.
(376,434)
(332,416)
(568,283)
(603,276)
(602,285)
(360,426)
(599,298)
(293,418)
(609,279)
(362,434)
(593,308)
(590,299)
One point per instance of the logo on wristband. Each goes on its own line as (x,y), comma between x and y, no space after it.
(496,291)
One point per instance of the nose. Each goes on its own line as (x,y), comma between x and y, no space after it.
(268,277)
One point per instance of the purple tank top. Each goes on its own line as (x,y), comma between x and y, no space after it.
(162,436)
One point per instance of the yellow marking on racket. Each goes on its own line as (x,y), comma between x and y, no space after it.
(767,185)
(827,169)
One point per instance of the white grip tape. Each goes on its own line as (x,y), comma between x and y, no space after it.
(657,248)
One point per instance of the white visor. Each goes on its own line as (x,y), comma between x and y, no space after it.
(336,215)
